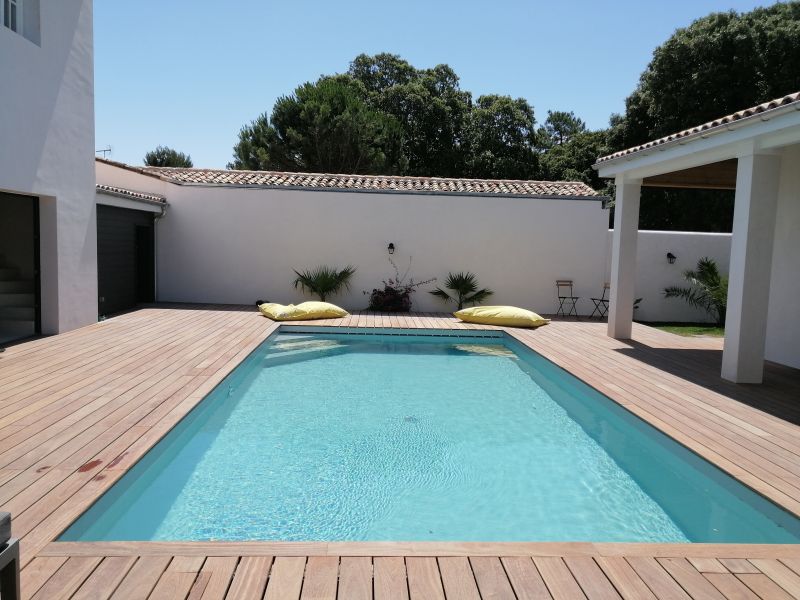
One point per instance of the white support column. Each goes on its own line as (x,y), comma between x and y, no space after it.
(757,178)
(623,258)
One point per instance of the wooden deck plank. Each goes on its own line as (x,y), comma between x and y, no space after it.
(38,572)
(780,574)
(730,587)
(355,578)
(764,587)
(558,578)
(173,585)
(629,585)
(218,573)
(320,583)
(690,579)
(458,580)
(707,565)
(491,577)
(250,579)
(738,565)
(525,578)
(424,580)
(286,578)
(142,578)
(390,578)
(591,578)
(68,579)
(105,578)
(657,579)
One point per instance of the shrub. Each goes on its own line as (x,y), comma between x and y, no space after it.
(396,293)
(324,281)
(465,288)
(708,291)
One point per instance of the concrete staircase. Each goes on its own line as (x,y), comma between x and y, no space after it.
(17,303)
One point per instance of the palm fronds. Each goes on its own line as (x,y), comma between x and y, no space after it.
(465,287)
(324,281)
(708,291)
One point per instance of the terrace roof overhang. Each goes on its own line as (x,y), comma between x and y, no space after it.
(706,159)
(740,152)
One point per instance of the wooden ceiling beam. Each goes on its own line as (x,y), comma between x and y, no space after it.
(716,176)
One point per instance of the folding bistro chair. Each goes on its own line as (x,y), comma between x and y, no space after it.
(566,299)
(601,303)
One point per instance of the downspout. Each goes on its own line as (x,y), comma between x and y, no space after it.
(156,219)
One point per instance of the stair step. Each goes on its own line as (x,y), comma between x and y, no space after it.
(8,273)
(17,299)
(17,313)
(20,286)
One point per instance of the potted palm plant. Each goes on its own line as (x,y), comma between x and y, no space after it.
(464,286)
(708,290)
(324,281)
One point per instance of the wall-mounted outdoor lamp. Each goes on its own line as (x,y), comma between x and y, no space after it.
(671,258)
(391,248)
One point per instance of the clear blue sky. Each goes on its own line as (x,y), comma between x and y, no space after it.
(189,73)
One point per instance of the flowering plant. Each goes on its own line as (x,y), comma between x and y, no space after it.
(396,293)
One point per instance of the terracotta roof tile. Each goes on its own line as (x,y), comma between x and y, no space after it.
(377,183)
(726,120)
(130,194)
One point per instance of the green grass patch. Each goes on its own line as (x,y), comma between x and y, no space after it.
(690,329)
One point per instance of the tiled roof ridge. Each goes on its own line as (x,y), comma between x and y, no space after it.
(376,183)
(342,175)
(709,125)
(132,194)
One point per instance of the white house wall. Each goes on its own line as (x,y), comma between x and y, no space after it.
(47,150)
(783,318)
(239,245)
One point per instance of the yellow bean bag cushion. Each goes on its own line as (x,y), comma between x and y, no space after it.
(509,316)
(305,311)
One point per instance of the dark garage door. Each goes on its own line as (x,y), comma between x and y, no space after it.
(125,258)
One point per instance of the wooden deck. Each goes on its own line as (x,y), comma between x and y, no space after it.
(78,409)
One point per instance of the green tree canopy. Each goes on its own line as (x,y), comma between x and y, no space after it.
(428,104)
(163,156)
(559,128)
(572,159)
(325,126)
(721,63)
(501,139)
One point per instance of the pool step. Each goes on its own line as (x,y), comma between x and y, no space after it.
(310,352)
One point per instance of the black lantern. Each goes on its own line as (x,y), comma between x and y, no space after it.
(391,248)
(671,258)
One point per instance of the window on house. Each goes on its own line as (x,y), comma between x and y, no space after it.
(12,15)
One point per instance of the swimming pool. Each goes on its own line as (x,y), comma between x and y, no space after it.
(353,436)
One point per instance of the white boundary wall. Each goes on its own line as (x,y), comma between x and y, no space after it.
(654,272)
(226,245)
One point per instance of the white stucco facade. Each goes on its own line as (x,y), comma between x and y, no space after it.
(47,150)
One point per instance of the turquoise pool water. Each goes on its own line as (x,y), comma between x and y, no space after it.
(378,437)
